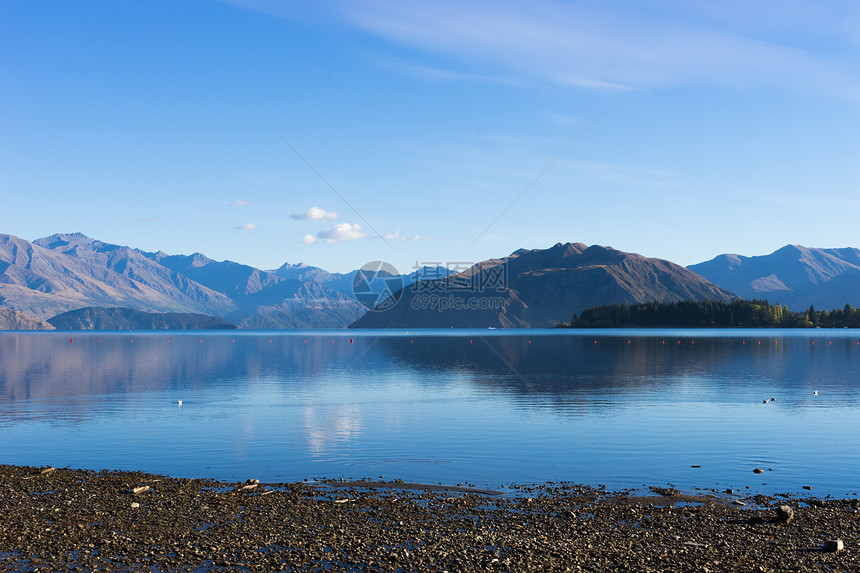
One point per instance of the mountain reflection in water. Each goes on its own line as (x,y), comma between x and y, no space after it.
(623,408)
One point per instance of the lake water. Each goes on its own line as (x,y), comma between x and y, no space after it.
(624,408)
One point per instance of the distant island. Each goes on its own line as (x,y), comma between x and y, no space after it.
(711,314)
(98,318)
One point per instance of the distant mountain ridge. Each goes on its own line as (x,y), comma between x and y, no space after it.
(793,275)
(70,271)
(540,288)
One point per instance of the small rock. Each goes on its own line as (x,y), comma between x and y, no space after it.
(833,546)
(252,481)
(758,471)
(738,502)
(134,505)
(807,487)
(730,490)
(784,514)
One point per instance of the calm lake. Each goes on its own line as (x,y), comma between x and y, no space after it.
(624,408)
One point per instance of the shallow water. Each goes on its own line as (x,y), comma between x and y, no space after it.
(624,408)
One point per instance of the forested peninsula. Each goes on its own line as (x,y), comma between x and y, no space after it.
(712,314)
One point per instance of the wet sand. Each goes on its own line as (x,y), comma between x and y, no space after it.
(80,520)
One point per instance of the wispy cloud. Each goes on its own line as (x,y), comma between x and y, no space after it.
(566,120)
(339,233)
(246,227)
(796,44)
(239,203)
(435,73)
(143,219)
(516,141)
(315,214)
(626,175)
(583,45)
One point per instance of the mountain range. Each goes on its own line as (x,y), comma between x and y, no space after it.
(45,278)
(66,272)
(795,276)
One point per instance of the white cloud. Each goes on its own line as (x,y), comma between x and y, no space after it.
(143,219)
(338,233)
(342,232)
(246,227)
(315,214)
(239,203)
(399,236)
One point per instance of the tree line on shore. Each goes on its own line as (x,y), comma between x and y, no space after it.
(711,313)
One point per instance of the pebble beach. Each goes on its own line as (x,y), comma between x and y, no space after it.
(84,520)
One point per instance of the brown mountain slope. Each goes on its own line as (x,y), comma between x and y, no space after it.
(44,283)
(541,287)
(186,294)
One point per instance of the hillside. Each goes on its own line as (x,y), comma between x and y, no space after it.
(14,320)
(541,287)
(794,275)
(43,282)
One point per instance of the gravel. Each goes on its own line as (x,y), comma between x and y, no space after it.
(82,520)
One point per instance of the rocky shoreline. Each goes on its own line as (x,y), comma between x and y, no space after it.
(82,520)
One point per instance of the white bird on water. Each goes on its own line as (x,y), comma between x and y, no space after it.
(180,403)
(815,392)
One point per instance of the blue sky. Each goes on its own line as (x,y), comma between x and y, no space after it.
(336,133)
